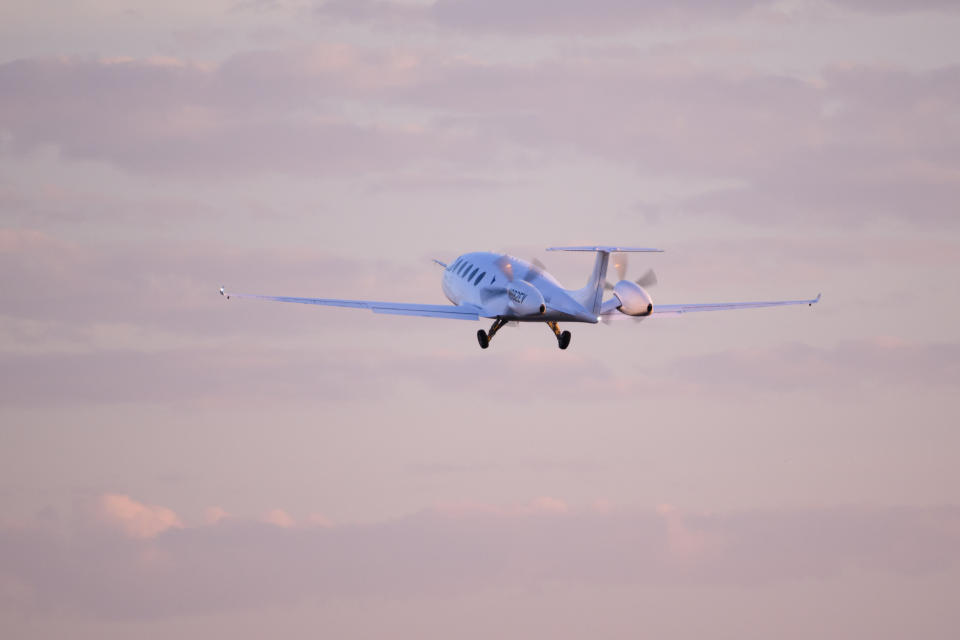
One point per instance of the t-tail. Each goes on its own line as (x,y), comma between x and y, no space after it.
(591,295)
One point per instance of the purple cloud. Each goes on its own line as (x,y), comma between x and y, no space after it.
(571,17)
(168,117)
(237,563)
(849,369)
(859,145)
(897,6)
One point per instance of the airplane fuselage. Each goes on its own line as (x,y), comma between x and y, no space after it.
(505,286)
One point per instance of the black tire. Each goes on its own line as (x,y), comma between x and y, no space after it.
(564,340)
(483,339)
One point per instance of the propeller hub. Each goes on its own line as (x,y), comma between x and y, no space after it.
(634,299)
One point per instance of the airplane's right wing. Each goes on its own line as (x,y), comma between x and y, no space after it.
(677,309)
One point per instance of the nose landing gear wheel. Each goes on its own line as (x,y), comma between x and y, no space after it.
(483,339)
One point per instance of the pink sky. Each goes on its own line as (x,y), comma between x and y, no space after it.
(174,464)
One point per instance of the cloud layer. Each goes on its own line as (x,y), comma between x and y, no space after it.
(569,17)
(856,144)
(237,563)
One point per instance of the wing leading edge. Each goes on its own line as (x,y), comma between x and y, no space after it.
(677,309)
(461,312)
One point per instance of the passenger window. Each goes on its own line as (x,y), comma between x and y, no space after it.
(473,273)
(479,278)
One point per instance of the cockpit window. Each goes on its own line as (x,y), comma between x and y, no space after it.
(473,273)
(462,268)
(479,278)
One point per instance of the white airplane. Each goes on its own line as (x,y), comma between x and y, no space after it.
(508,289)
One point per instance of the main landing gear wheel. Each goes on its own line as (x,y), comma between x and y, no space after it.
(484,338)
(563,337)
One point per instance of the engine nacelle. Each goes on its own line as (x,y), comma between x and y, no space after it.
(525,299)
(634,299)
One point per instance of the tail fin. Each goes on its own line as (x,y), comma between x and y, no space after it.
(591,295)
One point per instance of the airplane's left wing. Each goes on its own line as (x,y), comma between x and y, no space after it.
(459,312)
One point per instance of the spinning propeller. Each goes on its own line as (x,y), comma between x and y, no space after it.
(646,281)
(518,294)
(631,294)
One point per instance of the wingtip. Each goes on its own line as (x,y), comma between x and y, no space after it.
(815,300)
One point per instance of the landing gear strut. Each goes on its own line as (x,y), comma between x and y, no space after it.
(563,337)
(484,338)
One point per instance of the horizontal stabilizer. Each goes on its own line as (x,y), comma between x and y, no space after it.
(607,249)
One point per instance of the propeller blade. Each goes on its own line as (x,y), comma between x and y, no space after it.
(535,271)
(620,265)
(488,293)
(608,318)
(648,279)
(503,263)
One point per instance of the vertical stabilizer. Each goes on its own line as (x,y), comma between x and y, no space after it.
(591,295)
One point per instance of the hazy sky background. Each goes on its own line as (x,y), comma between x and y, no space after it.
(176,464)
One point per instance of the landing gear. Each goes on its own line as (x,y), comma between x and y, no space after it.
(563,337)
(484,338)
